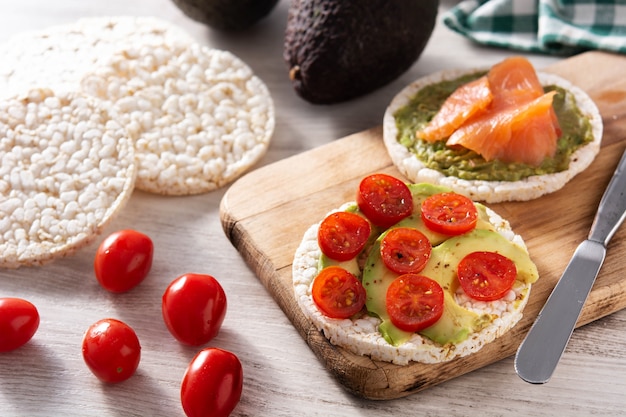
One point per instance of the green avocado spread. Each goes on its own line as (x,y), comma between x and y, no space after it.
(466,164)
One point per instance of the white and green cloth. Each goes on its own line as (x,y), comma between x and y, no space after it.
(563,27)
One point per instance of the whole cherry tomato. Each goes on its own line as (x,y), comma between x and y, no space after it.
(338,293)
(19,320)
(385,200)
(194,307)
(212,384)
(123,260)
(342,235)
(486,276)
(111,350)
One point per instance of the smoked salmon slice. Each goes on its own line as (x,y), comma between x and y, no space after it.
(534,141)
(513,81)
(524,133)
(503,115)
(463,103)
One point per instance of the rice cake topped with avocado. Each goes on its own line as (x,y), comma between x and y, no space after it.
(478,155)
(361,281)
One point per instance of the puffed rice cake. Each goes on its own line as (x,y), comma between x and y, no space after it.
(58,57)
(199,116)
(361,336)
(490,191)
(67,167)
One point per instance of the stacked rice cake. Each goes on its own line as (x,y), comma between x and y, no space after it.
(91,110)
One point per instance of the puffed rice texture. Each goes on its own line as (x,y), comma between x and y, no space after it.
(66,169)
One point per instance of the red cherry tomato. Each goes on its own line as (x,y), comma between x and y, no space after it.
(338,293)
(123,260)
(19,321)
(449,213)
(385,200)
(486,276)
(111,350)
(405,250)
(193,307)
(414,302)
(212,384)
(342,235)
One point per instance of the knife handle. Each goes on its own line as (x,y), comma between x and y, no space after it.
(612,208)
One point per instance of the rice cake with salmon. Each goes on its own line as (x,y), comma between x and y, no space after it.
(506,133)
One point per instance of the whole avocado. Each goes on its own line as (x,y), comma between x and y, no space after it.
(226,15)
(338,50)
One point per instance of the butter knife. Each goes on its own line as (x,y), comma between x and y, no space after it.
(541,350)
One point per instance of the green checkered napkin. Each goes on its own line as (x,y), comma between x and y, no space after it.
(563,27)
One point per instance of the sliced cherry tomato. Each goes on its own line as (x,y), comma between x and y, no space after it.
(123,260)
(385,200)
(405,250)
(19,321)
(338,293)
(342,235)
(194,307)
(111,350)
(486,276)
(414,302)
(449,213)
(212,384)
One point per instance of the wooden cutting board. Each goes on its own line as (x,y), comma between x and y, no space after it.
(266,212)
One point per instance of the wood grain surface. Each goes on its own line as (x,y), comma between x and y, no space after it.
(266,227)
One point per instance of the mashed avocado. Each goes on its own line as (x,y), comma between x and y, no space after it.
(466,164)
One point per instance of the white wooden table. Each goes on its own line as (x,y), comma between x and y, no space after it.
(282,377)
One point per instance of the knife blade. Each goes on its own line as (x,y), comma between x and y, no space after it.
(539,353)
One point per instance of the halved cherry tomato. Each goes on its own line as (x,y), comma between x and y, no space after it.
(338,293)
(123,260)
(19,321)
(342,235)
(385,200)
(193,308)
(486,276)
(414,302)
(111,350)
(405,250)
(449,213)
(212,384)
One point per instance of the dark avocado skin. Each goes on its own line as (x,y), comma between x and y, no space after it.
(338,50)
(226,15)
